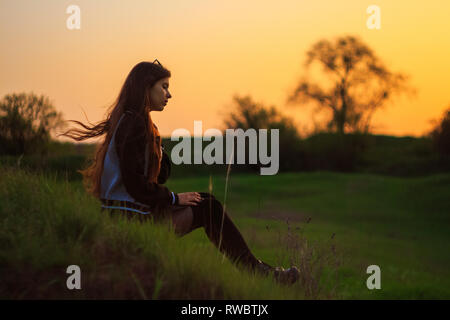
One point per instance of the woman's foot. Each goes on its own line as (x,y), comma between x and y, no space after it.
(285,276)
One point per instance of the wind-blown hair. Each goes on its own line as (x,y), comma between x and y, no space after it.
(132,97)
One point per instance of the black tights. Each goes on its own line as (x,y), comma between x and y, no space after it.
(209,214)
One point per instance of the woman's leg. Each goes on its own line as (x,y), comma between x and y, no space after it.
(219,228)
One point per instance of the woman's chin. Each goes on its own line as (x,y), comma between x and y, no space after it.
(160,108)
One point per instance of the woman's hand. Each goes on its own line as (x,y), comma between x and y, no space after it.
(189,198)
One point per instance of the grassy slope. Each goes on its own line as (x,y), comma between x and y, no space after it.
(47,225)
(402,225)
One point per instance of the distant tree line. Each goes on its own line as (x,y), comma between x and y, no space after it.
(359,84)
(350,152)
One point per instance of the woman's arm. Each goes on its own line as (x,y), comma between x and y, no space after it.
(130,146)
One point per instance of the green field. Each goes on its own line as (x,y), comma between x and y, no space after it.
(332,225)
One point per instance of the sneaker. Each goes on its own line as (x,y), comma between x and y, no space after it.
(281,275)
(288,276)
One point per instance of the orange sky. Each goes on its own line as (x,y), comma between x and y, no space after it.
(216,49)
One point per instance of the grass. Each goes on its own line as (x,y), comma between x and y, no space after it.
(47,225)
(400,224)
(332,225)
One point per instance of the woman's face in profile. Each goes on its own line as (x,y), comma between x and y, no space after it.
(159,95)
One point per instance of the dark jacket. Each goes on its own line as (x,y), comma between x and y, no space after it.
(130,146)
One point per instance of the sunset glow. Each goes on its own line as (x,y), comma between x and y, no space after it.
(216,49)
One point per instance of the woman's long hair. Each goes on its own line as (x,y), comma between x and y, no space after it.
(132,97)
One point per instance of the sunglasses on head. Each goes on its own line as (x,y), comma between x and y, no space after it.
(156,60)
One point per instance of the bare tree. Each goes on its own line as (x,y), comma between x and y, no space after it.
(26,121)
(360,83)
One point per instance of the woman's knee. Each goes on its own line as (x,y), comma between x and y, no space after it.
(208,200)
(207,211)
(207,196)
